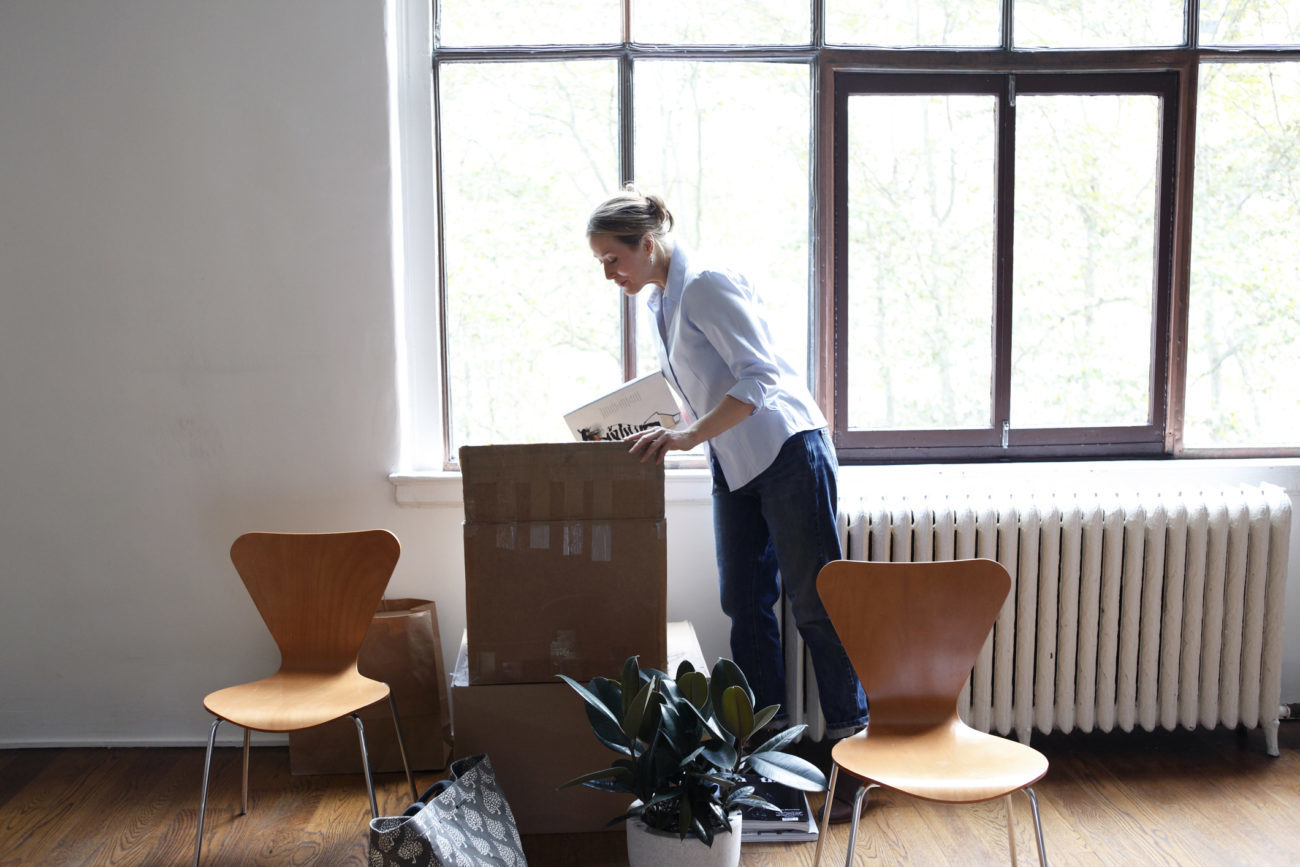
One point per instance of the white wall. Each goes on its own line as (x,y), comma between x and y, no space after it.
(197,339)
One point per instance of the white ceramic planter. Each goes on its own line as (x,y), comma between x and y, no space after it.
(649,847)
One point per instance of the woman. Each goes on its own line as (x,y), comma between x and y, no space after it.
(774,468)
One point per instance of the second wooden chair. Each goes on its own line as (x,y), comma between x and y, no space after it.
(913,632)
(317,593)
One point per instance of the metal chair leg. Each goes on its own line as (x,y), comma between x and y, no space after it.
(203,793)
(826,815)
(401,746)
(1038,826)
(244,806)
(858,798)
(365,766)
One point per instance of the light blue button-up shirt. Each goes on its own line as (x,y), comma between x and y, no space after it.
(713,341)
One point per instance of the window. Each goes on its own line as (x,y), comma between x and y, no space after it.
(1004,250)
(1244,310)
(996,228)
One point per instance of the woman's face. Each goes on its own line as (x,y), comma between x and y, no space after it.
(628,265)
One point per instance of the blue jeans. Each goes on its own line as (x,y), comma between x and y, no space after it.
(785,519)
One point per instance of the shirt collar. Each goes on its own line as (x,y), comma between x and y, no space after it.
(677,270)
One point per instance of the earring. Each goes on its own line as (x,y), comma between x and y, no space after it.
(652,258)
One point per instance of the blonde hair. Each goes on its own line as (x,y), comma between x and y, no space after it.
(631,215)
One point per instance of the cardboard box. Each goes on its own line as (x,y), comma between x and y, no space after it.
(403,649)
(643,403)
(559,482)
(564,597)
(538,737)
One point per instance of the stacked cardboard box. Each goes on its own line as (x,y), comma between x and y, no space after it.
(565,561)
(538,737)
(565,573)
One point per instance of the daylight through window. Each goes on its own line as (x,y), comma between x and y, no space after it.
(994,229)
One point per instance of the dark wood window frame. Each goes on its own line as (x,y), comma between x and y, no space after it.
(1000,439)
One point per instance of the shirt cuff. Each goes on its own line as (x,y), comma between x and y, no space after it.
(748,391)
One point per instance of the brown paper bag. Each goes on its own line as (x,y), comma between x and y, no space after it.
(403,649)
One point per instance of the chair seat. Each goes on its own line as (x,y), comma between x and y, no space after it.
(290,701)
(952,763)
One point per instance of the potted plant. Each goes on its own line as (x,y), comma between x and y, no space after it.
(683,749)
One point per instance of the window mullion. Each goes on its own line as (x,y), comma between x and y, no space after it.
(627,174)
(440,244)
(1179,293)
(1004,262)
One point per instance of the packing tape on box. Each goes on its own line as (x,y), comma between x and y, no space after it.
(602,543)
(573,540)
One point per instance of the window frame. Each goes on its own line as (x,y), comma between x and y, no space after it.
(999,439)
(1162,437)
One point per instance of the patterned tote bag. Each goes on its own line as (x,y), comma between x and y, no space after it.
(463,821)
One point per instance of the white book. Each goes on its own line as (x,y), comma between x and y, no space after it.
(634,406)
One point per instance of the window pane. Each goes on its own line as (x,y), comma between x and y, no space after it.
(532,326)
(726,145)
(903,23)
(1243,387)
(722,22)
(1250,22)
(1085,205)
(921,188)
(1097,23)
(529,22)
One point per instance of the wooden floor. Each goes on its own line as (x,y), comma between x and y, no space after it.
(1180,798)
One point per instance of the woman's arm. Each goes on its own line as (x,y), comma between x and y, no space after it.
(655,443)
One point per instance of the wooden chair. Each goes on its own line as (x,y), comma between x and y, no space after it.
(912,632)
(317,593)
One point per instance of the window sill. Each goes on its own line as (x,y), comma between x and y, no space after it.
(693,485)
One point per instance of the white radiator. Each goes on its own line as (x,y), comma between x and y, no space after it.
(1150,610)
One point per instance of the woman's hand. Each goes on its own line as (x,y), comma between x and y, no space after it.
(654,443)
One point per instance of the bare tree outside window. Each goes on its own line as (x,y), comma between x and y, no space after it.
(921,227)
(1244,317)
(532,330)
(726,145)
(1086,185)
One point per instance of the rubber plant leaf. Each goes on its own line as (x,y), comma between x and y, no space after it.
(780,740)
(736,713)
(694,687)
(610,774)
(725,674)
(636,710)
(764,716)
(788,770)
(590,698)
(631,683)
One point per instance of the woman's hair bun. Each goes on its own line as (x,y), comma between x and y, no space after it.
(631,214)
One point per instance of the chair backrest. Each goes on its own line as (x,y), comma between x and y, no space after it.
(913,630)
(317,592)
